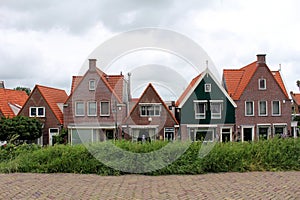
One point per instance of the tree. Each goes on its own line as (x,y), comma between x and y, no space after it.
(21,128)
(298,84)
(27,90)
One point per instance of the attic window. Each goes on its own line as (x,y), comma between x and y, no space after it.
(92,85)
(37,111)
(262,84)
(207,87)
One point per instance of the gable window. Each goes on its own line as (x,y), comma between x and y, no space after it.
(262,84)
(104,108)
(249,108)
(200,109)
(150,110)
(263,110)
(215,109)
(92,108)
(37,111)
(92,85)
(79,108)
(207,87)
(276,110)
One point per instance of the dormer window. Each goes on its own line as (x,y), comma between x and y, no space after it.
(207,87)
(92,85)
(262,84)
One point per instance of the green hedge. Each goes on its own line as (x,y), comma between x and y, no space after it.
(264,155)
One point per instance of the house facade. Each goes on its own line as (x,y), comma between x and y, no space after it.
(46,104)
(295,113)
(263,105)
(11,101)
(96,106)
(150,119)
(205,111)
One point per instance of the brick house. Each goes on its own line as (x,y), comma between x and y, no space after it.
(205,110)
(96,106)
(295,113)
(46,104)
(263,105)
(150,119)
(11,101)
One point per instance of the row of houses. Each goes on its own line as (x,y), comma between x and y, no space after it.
(249,104)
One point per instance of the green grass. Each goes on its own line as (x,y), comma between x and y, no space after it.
(265,155)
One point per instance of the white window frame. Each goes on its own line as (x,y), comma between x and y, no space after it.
(155,107)
(216,115)
(207,87)
(51,134)
(88,108)
(246,108)
(36,111)
(252,132)
(200,115)
(265,83)
(230,133)
(279,104)
(105,114)
(76,114)
(92,88)
(259,113)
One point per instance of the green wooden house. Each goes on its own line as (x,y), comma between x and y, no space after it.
(205,111)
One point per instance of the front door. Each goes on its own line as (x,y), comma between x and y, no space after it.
(52,132)
(247,134)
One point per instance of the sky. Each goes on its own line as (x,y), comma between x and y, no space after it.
(47,42)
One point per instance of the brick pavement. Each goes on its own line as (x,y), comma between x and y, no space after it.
(253,185)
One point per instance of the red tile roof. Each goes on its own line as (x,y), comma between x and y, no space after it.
(14,97)
(238,79)
(113,82)
(186,91)
(296,98)
(53,96)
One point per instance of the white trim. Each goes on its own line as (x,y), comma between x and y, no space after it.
(200,115)
(230,133)
(79,115)
(154,106)
(37,111)
(169,132)
(143,126)
(263,126)
(265,80)
(201,126)
(150,104)
(266,108)
(92,127)
(207,87)
(219,114)
(92,80)
(253,108)
(51,135)
(105,115)
(267,124)
(279,108)
(207,71)
(88,109)
(279,124)
(242,132)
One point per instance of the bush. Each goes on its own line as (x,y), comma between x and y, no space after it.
(265,155)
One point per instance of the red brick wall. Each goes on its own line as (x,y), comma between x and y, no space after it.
(252,93)
(50,121)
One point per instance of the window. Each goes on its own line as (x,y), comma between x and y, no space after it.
(200,109)
(215,109)
(249,108)
(37,111)
(262,84)
(276,108)
(150,110)
(92,108)
(226,135)
(207,87)
(92,85)
(104,108)
(79,108)
(263,110)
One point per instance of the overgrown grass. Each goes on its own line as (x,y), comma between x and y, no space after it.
(264,155)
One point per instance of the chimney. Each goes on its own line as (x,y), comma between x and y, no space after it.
(261,59)
(2,84)
(92,64)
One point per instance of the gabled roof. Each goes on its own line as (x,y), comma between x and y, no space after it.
(150,86)
(53,97)
(296,98)
(11,97)
(236,80)
(113,82)
(194,83)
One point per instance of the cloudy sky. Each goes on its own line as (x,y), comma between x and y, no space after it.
(46,42)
